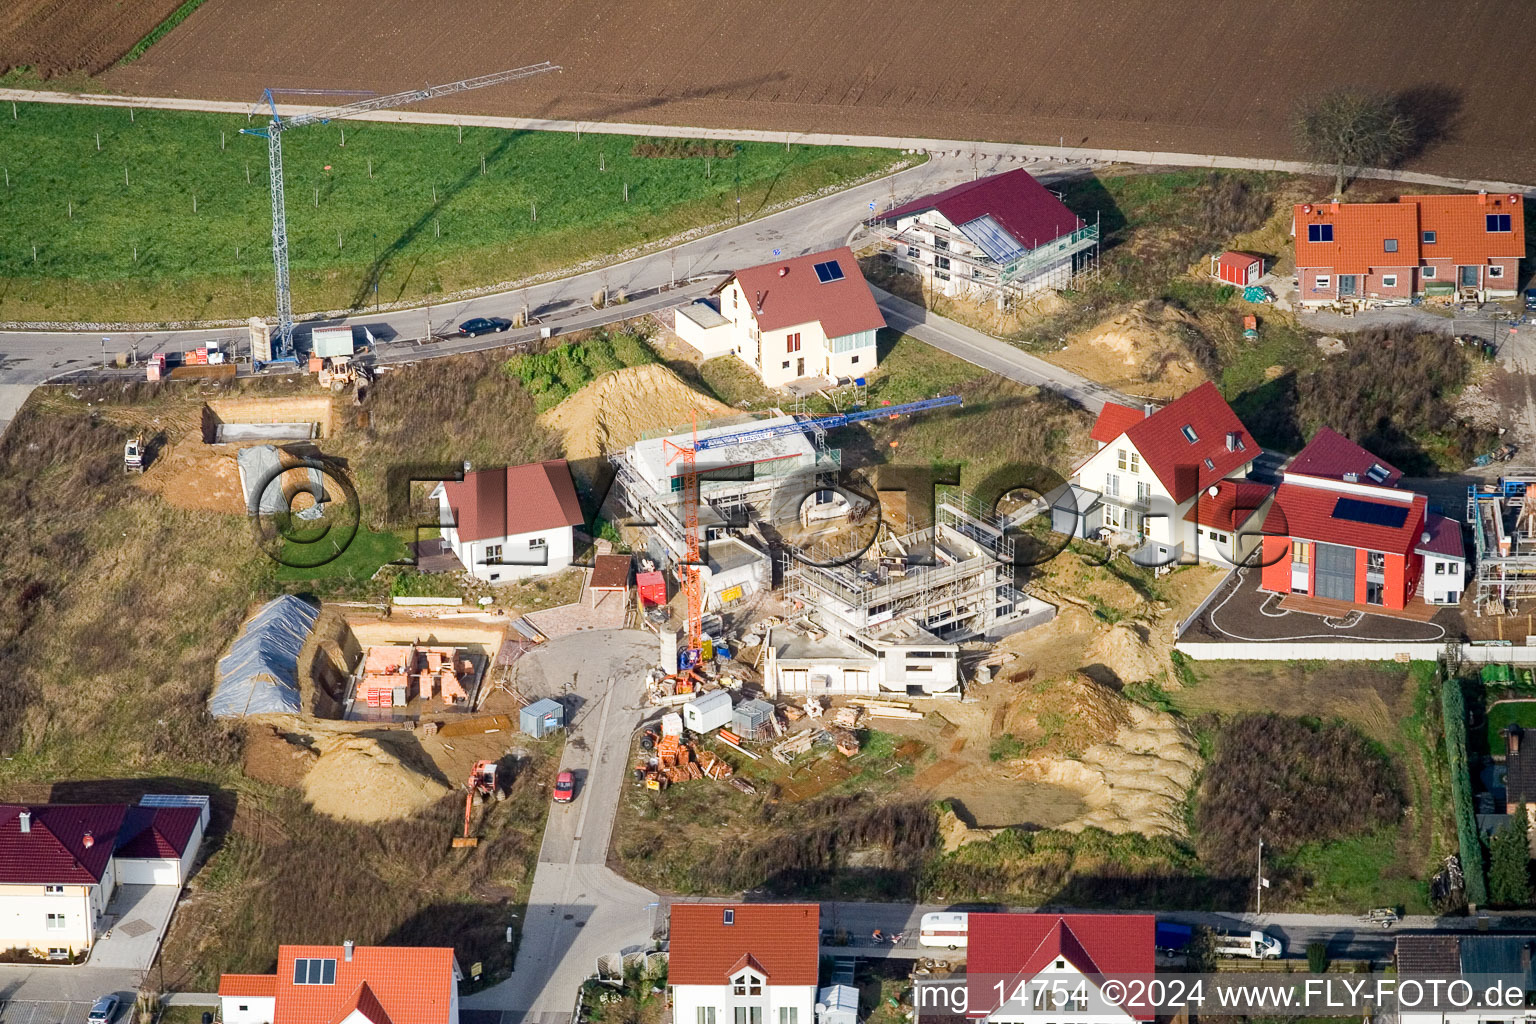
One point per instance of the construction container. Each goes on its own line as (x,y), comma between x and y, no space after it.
(652,587)
(542,717)
(752,718)
(708,711)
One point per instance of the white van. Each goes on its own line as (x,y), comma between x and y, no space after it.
(943,929)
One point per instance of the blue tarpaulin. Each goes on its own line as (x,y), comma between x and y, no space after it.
(260,674)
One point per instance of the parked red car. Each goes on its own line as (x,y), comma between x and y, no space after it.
(565,788)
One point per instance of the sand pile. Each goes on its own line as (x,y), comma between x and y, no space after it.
(370,778)
(1126,650)
(1144,351)
(615,409)
(1135,782)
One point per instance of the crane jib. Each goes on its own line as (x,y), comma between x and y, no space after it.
(832,422)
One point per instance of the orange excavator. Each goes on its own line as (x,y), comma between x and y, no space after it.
(482,786)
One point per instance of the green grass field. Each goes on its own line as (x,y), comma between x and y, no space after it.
(166,216)
(1501,716)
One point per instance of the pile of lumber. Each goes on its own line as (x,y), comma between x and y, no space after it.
(714,767)
(876,707)
(787,750)
(847,718)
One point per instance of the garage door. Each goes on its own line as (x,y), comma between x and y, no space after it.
(1335,572)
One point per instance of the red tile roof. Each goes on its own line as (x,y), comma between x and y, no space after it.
(1444,537)
(1307,513)
(395,984)
(247,984)
(1234,504)
(492,503)
(1180,463)
(1114,420)
(785,938)
(1330,454)
(1461,230)
(788,292)
(1016,947)
(1360,231)
(158,832)
(1026,209)
(1238,260)
(68,844)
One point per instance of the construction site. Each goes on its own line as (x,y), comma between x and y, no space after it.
(1502,516)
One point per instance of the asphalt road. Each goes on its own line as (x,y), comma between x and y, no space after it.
(28,358)
(578,908)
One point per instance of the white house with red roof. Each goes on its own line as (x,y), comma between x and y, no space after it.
(1342,528)
(1170,483)
(744,963)
(1455,247)
(999,237)
(1034,967)
(347,984)
(809,316)
(513,523)
(61,864)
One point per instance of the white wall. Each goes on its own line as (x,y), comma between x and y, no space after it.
(767,351)
(24,911)
(149,871)
(1450,579)
(257,1009)
(710,341)
(561,548)
(687,999)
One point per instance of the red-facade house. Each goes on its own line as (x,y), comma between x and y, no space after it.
(1341,528)
(1465,246)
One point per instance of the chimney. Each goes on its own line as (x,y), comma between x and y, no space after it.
(1231,440)
(1334,206)
(88,840)
(1512,739)
(1147,409)
(346,950)
(759,304)
(25,821)
(1351,478)
(1482,197)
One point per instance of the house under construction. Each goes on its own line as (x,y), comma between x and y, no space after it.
(892,619)
(1503,521)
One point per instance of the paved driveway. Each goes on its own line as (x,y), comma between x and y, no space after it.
(578,908)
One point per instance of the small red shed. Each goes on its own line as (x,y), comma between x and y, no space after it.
(1239,268)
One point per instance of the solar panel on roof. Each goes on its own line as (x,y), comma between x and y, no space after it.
(992,239)
(828,272)
(1370,513)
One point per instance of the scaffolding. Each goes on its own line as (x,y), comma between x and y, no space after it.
(1056,264)
(1503,520)
(953,580)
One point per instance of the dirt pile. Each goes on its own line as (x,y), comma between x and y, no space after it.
(1144,351)
(1127,651)
(371,777)
(954,833)
(615,409)
(1131,767)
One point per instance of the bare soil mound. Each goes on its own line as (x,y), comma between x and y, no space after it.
(1145,351)
(1126,650)
(1067,716)
(377,777)
(615,409)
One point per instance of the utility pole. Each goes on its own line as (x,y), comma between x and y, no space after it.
(1261,883)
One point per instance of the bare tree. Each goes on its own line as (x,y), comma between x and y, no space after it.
(1350,129)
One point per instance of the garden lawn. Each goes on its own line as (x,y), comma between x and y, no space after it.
(167,215)
(1502,716)
(357,563)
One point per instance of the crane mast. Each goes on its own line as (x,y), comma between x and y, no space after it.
(273,133)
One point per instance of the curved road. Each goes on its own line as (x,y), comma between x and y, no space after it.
(654,281)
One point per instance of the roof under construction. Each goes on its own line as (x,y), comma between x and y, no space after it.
(260,674)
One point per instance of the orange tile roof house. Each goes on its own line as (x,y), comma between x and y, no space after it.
(1454,247)
(347,984)
(744,963)
(809,316)
(513,523)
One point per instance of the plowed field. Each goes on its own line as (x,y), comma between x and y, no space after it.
(1181,75)
(60,36)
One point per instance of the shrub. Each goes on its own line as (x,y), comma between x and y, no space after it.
(1317,957)
(1290,782)
(1454,714)
(556,374)
(1509,869)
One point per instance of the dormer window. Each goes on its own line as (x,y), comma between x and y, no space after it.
(1389,245)
(1319,232)
(1188,431)
(747,984)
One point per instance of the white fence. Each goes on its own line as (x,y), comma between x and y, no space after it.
(1480,654)
(448,602)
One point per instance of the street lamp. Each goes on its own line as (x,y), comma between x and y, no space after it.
(104,341)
